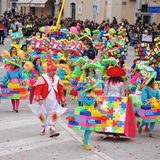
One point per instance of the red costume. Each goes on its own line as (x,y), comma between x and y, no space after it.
(42,90)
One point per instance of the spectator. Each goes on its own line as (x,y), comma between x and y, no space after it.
(114,22)
(2,28)
(91,52)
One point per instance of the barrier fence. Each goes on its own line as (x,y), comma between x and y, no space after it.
(142,38)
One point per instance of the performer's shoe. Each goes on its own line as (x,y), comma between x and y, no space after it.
(16,111)
(152,136)
(42,132)
(116,136)
(66,111)
(146,129)
(87,147)
(53,134)
(83,142)
(12,110)
(106,136)
(139,130)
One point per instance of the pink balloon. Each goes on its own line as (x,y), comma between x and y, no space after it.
(47,29)
(73,29)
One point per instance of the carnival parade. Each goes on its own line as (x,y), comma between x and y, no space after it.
(58,66)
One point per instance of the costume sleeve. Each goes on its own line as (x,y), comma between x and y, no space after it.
(158,94)
(133,66)
(60,88)
(133,80)
(22,76)
(37,93)
(144,97)
(5,78)
(39,86)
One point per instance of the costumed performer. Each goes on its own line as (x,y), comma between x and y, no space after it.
(56,56)
(148,93)
(64,74)
(12,53)
(114,86)
(39,50)
(108,63)
(141,58)
(71,60)
(76,74)
(33,71)
(89,100)
(14,76)
(26,50)
(49,93)
(16,38)
(88,74)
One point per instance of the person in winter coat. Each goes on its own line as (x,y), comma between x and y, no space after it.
(92,53)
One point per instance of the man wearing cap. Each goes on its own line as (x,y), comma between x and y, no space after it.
(49,93)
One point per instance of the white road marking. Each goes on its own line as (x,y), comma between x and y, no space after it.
(32,143)
(18,123)
(92,157)
(76,136)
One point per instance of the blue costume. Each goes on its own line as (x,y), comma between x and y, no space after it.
(56,57)
(147,94)
(33,54)
(88,102)
(17,74)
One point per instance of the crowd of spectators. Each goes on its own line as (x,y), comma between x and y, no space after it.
(30,24)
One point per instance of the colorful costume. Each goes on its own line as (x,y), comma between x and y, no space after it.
(148,93)
(50,90)
(13,79)
(112,101)
(87,123)
(33,71)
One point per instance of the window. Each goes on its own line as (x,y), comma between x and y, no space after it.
(33,10)
(73,10)
(144,8)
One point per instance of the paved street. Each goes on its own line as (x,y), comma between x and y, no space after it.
(20,139)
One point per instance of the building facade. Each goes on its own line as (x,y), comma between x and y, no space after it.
(4,5)
(37,7)
(100,10)
(97,10)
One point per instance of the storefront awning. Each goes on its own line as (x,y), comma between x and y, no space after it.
(23,2)
(38,3)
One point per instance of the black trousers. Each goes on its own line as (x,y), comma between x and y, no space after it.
(2,36)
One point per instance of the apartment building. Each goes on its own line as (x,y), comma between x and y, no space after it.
(100,10)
